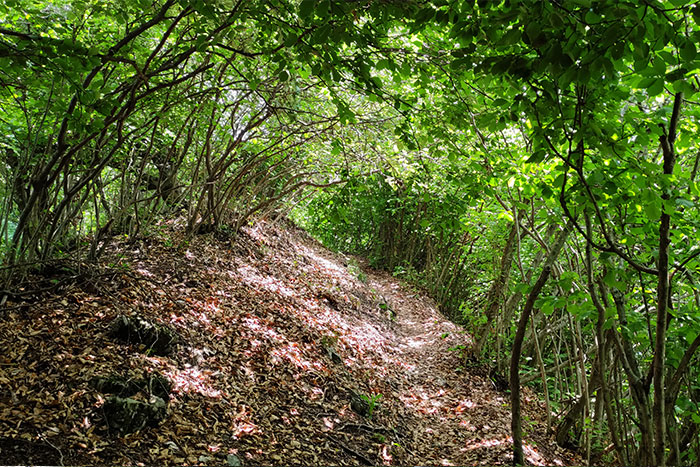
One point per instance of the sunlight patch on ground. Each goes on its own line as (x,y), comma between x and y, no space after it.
(329,265)
(486,443)
(463,405)
(251,278)
(288,351)
(423,400)
(533,457)
(194,380)
(198,313)
(292,354)
(386,455)
(242,424)
(417,343)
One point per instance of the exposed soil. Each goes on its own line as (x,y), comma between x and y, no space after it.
(277,336)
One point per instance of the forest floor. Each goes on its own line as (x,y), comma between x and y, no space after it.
(276,335)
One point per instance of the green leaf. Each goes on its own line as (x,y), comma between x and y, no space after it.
(511,37)
(656,87)
(536,157)
(306,8)
(685,202)
(688,51)
(653,210)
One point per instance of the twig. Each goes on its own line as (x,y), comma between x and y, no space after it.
(366,427)
(351,451)
(46,440)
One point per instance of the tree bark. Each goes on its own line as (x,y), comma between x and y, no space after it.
(516,421)
(663,294)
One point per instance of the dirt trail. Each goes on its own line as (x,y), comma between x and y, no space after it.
(464,419)
(278,337)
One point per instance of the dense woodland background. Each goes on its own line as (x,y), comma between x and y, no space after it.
(532,165)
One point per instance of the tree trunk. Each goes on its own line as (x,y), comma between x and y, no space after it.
(495,294)
(569,421)
(516,421)
(663,295)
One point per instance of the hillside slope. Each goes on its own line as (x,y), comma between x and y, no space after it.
(280,344)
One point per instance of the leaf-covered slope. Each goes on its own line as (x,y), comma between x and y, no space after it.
(277,338)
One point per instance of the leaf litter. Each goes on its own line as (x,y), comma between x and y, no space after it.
(277,337)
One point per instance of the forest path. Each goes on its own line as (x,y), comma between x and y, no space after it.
(277,337)
(464,419)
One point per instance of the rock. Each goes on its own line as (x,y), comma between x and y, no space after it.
(151,384)
(158,385)
(359,404)
(115,384)
(205,459)
(158,340)
(129,415)
(233,461)
(334,356)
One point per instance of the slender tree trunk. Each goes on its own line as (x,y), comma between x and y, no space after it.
(573,416)
(495,294)
(663,295)
(602,339)
(543,373)
(638,387)
(516,421)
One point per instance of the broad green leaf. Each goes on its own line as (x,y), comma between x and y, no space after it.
(306,8)
(653,210)
(688,51)
(656,87)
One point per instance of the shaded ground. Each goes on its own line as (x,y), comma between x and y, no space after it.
(277,337)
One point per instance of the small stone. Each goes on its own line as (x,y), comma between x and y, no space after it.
(233,461)
(335,358)
(172,445)
(204,459)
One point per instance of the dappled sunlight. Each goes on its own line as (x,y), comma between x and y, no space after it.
(416,343)
(284,349)
(251,278)
(487,443)
(463,405)
(256,325)
(423,400)
(292,354)
(199,313)
(144,272)
(193,380)
(329,266)
(533,457)
(243,424)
